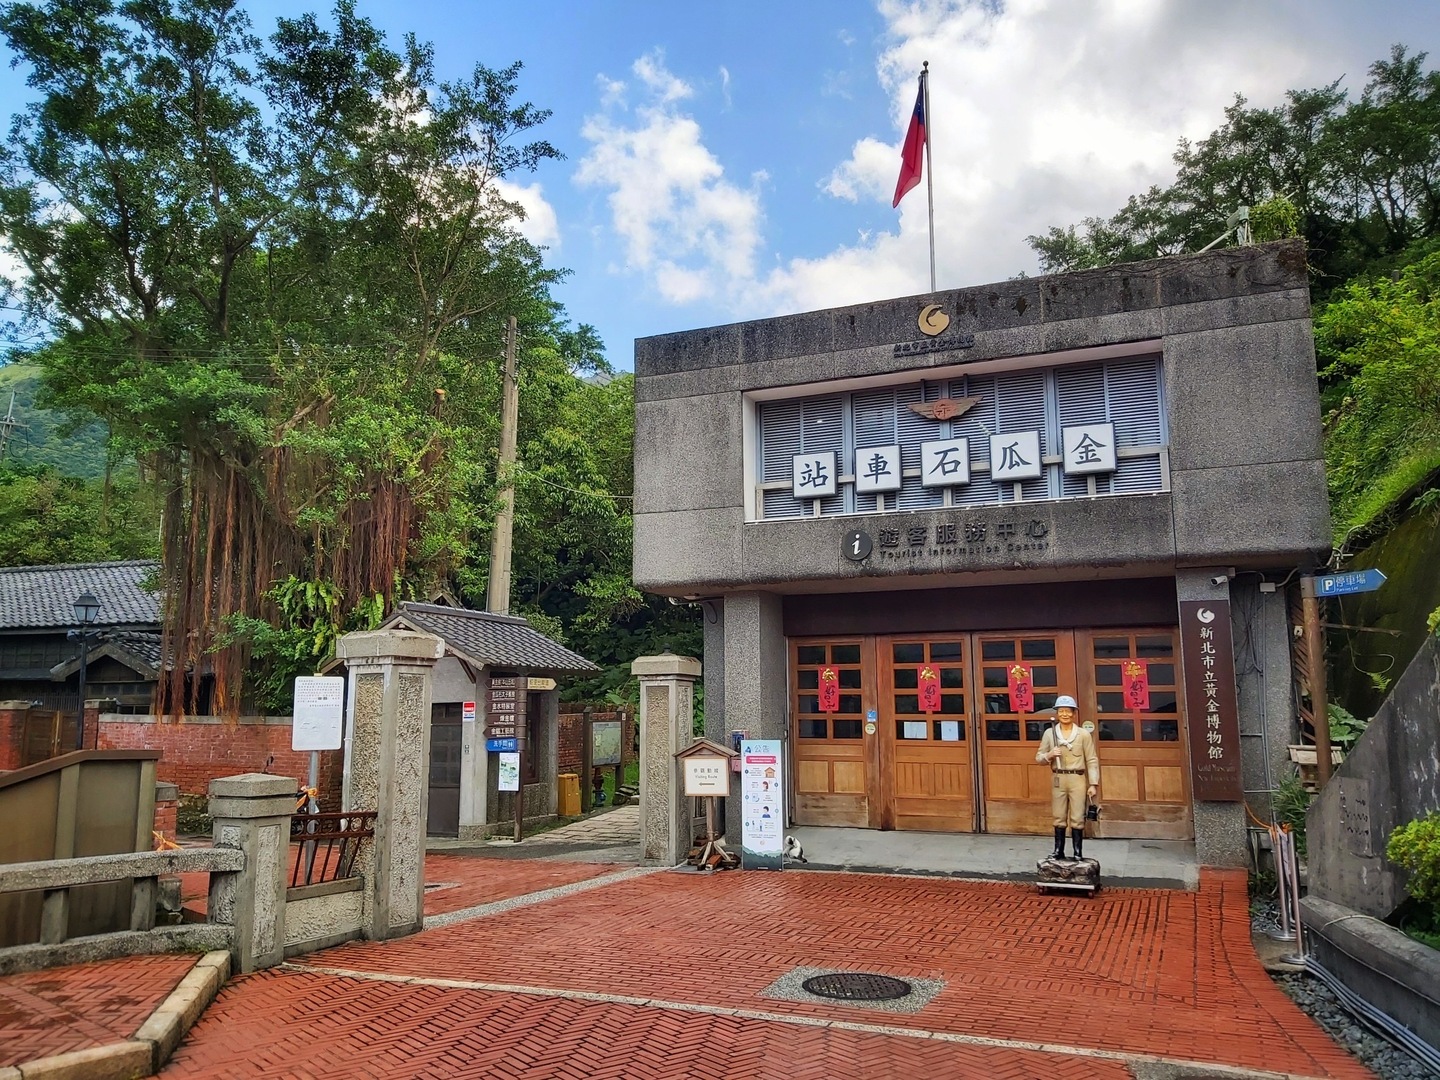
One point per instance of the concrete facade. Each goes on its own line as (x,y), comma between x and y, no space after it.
(1243,499)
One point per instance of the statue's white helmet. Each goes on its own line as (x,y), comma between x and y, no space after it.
(1065,701)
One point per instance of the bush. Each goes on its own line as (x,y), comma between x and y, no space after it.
(1289,802)
(1416,847)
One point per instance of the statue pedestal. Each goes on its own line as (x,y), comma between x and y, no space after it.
(1071,875)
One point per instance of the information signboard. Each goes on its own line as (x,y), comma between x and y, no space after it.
(762,802)
(319,713)
(509,772)
(605,742)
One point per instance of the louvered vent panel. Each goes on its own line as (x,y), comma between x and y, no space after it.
(1021,400)
(823,428)
(1134,393)
(873,417)
(779,443)
(976,426)
(911,430)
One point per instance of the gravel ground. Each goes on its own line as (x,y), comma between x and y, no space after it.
(1381,1057)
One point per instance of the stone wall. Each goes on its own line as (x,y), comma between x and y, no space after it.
(1392,776)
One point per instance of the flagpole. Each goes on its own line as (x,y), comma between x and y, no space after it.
(929,167)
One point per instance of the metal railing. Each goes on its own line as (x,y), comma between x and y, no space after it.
(335,838)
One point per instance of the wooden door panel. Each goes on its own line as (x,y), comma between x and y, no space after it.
(1017,790)
(927,776)
(831,750)
(1144,763)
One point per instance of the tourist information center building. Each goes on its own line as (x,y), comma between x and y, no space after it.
(912,524)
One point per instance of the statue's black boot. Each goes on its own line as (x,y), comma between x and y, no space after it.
(1059,852)
(1077,839)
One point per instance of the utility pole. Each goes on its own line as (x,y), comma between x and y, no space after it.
(498,598)
(1319,694)
(8,425)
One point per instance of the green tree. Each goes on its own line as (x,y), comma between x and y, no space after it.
(1383,433)
(46,517)
(278,271)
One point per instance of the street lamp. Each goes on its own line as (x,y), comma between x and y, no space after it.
(87,610)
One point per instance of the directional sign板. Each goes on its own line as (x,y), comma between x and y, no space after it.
(1357,581)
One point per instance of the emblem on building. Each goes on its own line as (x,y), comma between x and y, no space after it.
(944,409)
(933,320)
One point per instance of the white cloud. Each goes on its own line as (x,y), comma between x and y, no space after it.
(688,229)
(1043,112)
(540,227)
(725,84)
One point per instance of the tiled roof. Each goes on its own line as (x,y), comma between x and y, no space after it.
(487,640)
(44,596)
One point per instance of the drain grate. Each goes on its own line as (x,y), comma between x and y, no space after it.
(856,986)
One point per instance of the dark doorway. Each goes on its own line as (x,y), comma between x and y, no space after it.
(445,752)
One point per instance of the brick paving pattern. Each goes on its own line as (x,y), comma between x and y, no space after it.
(1133,972)
(73,1008)
(470,882)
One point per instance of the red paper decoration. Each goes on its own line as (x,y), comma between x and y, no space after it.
(1020,679)
(929,690)
(1135,675)
(829,690)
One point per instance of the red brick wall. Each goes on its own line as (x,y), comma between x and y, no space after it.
(165,814)
(198,750)
(572,735)
(12,733)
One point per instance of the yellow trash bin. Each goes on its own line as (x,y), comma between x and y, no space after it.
(569,794)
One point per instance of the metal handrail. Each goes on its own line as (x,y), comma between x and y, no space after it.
(339,834)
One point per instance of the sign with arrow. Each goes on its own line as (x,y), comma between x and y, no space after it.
(1357,581)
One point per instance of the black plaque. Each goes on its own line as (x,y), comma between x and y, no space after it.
(1208,656)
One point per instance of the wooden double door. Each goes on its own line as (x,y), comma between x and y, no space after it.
(879,760)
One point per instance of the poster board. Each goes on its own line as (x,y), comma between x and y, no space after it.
(762,802)
(319,713)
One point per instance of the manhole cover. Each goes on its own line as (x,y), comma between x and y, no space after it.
(856,986)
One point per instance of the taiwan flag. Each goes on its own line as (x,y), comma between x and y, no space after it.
(912,155)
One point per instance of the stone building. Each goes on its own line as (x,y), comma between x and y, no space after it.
(912,524)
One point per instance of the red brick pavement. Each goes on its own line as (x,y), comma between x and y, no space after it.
(474,881)
(73,1008)
(1163,973)
(462,881)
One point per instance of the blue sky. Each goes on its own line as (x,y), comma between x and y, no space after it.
(733,159)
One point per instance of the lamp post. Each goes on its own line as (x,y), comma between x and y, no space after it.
(87,610)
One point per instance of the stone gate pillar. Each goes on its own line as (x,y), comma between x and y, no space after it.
(252,812)
(387,758)
(667,711)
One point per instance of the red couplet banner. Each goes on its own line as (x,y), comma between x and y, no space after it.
(1020,679)
(929,690)
(1135,676)
(829,690)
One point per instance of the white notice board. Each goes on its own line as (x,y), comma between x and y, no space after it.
(319,712)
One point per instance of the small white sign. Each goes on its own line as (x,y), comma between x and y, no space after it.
(707,776)
(814,475)
(1015,456)
(509,771)
(915,729)
(877,468)
(319,713)
(1090,448)
(945,463)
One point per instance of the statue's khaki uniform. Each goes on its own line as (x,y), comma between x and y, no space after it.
(1075,769)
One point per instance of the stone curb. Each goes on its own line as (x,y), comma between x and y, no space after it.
(150,1047)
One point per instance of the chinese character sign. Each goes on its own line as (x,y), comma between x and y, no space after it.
(1020,680)
(945,463)
(929,690)
(1015,456)
(814,475)
(1089,449)
(877,468)
(829,690)
(1212,716)
(1135,678)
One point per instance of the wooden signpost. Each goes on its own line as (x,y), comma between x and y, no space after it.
(706,766)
